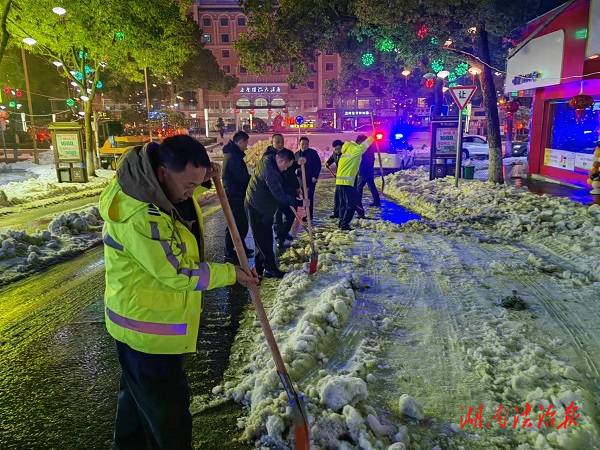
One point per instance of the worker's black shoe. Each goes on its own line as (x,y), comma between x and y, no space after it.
(345,227)
(289,237)
(333,216)
(277,274)
(283,244)
(375,204)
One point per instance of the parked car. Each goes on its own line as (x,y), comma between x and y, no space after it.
(475,145)
(393,161)
(520,147)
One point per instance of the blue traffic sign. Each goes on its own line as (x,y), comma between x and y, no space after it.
(299,120)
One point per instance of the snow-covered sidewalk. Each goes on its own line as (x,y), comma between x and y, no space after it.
(401,339)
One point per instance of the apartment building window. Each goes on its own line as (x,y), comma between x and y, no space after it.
(293,86)
(227,69)
(243,102)
(242,69)
(227,105)
(329,66)
(241,21)
(310,84)
(291,68)
(294,105)
(329,53)
(225,53)
(260,101)
(329,103)
(224,21)
(206,22)
(310,105)
(277,102)
(311,68)
(213,106)
(207,38)
(276,69)
(224,38)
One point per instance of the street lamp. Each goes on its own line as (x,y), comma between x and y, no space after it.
(405,73)
(59,11)
(443,74)
(30,41)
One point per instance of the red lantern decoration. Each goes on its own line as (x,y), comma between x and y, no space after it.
(236,111)
(251,111)
(579,103)
(422,31)
(4,115)
(270,111)
(285,111)
(6,90)
(19,93)
(511,108)
(429,83)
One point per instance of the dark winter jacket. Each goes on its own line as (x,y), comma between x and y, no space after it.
(235,172)
(266,190)
(312,167)
(333,159)
(290,181)
(367,162)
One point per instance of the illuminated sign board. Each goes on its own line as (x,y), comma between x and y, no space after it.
(357,113)
(260,89)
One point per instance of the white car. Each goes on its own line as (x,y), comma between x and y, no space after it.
(391,162)
(474,145)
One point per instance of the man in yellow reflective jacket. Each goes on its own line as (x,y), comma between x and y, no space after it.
(155,275)
(348,164)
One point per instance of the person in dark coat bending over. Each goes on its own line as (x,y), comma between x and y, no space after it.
(235,182)
(312,169)
(284,217)
(265,194)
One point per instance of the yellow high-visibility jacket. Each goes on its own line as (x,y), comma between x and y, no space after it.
(350,161)
(154,275)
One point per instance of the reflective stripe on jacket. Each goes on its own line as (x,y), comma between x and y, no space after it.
(154,276)
(350,161)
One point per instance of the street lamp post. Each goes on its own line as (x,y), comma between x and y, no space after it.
(30,42)
(147,102)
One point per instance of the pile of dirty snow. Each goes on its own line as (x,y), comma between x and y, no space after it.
(68,235)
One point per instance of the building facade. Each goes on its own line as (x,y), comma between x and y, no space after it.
(559,59)
(268,97)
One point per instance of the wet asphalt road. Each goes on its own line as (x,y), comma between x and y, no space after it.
(59,375)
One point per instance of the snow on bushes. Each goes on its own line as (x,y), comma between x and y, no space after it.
(22,254)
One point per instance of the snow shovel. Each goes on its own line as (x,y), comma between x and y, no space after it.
(331,172)
(378,156)
(314,257)
(298,218)
(299,416)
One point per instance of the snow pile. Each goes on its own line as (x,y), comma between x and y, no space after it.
(254,152)
(68,235)
(401,328)
(41,182)
(493,213)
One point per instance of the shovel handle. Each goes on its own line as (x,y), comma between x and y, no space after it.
(310,229)
(254,294)
(378,155)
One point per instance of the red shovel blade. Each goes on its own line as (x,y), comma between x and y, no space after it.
(314,259)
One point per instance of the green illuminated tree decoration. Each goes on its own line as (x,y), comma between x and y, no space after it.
(451,77)
(386,45)
(96,31)
(99,85)
(70,102)
(461,69)
(368,59)
(434,40)
(437,65)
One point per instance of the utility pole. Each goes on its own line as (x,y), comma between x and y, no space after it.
(35,150)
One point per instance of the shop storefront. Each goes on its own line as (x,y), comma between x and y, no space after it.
(557,61)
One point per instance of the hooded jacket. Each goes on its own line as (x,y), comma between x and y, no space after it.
(266,191)
(155,273)
(350,161)
(235,172)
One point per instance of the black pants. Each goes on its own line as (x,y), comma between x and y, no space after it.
(360,186)
(262,230)
(241,221)
(348,201)
(284,219)
(154,400)
(311,196)
(336,202)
